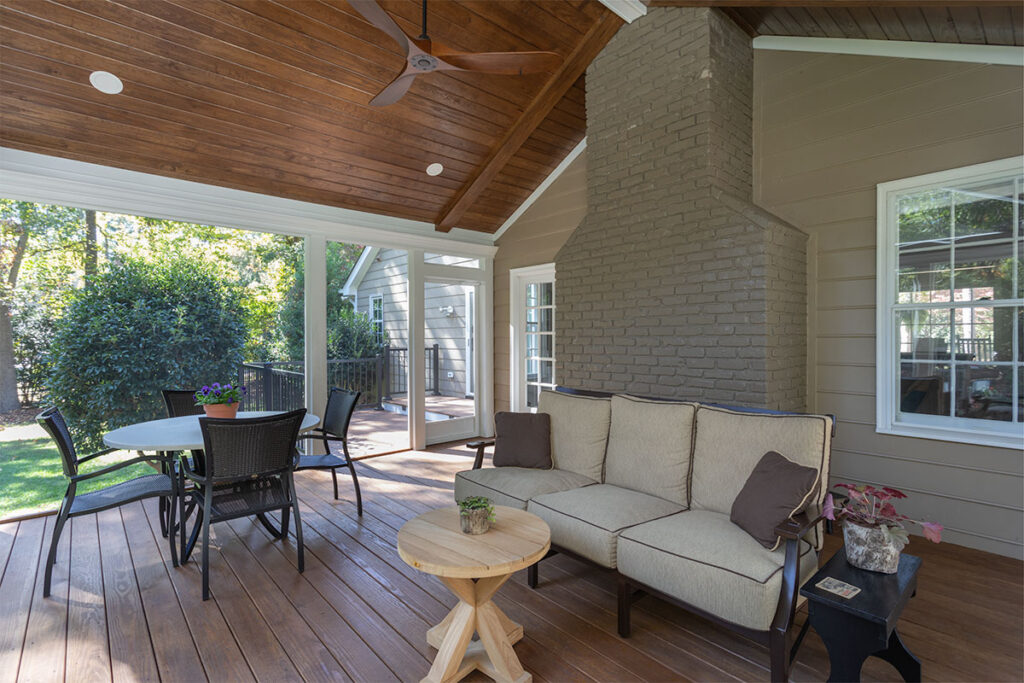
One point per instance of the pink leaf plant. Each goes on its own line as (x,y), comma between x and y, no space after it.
(872,507)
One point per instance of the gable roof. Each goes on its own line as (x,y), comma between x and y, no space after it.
(359,271)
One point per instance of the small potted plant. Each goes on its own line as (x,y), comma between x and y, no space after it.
(220,400)
(873,532)
(476,514)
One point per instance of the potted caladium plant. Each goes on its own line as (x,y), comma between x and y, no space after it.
(873,532)
(220,400)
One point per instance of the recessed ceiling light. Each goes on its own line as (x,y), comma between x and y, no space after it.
(106,82)
(435,169)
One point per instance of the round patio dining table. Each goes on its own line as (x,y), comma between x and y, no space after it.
(177,433)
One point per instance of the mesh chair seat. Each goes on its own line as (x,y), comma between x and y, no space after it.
(119,494)
(245,498)
(325,461)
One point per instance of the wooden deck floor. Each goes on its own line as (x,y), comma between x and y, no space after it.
(360,613)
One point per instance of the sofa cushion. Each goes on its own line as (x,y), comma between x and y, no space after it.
(514,486)
(776,490)
(587,520)
(579,431)
(522,440)
(649,447)
(728,444)
(704,560)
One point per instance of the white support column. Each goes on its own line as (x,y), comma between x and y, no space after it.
(485,351)
(417,360)
(316,323)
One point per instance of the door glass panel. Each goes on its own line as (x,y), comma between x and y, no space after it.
(538,339)
(450,358)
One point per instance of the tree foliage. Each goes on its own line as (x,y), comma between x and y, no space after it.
(139,328)
(351,335)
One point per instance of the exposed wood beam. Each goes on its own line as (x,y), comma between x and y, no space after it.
(559,83)
(828,3)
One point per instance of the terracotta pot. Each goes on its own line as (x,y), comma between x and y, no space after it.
(221,409)
(475,521)
(871,548)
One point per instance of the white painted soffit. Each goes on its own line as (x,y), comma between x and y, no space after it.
(629,10)
(1008,55)
(359,271)
(29,176)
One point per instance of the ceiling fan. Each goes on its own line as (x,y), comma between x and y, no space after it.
(424,55)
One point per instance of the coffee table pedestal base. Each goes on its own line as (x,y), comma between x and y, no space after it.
(458,654)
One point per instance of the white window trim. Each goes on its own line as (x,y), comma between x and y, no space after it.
(518,277)
(941,428)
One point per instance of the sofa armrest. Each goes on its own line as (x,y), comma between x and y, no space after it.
(797,526)
(479,446)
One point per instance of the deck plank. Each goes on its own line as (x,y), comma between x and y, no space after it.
(88,652)
(45,641)
(16,590)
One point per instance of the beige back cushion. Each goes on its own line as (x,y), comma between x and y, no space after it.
(649,447)
(728,445)
(579,431)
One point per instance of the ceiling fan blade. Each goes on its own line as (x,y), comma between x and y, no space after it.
(395,90)
(513,63)
(372,12)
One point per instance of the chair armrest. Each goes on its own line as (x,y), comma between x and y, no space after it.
(105,451)
(119,465)
(478,462)
(185,469)
(314,433)
(797,526)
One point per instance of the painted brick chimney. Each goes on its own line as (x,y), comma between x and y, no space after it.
(675,284)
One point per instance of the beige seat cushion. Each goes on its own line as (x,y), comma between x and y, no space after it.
(729,444)
(514,486)
(649,447)
(704,560)
(579,431)
(587,521)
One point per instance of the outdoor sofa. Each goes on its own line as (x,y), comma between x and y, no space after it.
(645,487)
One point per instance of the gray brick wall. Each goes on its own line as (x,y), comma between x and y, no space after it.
(675,284)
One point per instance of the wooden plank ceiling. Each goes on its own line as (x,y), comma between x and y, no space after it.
(974,22)
(271,96)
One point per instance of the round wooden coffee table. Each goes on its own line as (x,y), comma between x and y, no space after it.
(474,568)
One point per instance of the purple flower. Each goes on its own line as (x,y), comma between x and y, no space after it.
(216,392)
(206,389)
(216,385)
(230,401)
(227,387)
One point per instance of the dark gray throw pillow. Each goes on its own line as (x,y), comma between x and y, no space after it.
(776,490)
(522,440)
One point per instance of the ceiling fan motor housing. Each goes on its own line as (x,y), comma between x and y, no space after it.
(423,62)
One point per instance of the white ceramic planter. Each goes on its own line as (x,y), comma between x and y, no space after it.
(870,548)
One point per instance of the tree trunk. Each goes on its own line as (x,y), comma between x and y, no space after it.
(90,243)
(8,373)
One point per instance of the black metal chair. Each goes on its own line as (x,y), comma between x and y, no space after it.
(248,471)
(75,504)
(340,405)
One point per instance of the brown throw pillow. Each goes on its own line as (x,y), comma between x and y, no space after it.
(776,490)
(522,440)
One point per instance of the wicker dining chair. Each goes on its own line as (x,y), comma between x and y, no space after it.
(340,405)
(181,402)
(75,504)
(249,464)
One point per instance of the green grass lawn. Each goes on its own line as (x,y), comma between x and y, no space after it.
(31,478)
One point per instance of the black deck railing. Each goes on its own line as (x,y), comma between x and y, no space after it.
(280,385)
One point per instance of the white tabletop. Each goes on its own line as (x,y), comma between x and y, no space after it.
(177,433)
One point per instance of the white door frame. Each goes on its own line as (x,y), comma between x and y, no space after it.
(518,279)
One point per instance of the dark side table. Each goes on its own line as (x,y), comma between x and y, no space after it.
(863,626)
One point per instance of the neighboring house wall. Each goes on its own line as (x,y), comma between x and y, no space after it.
(388,277)
(828,129)
(533,239)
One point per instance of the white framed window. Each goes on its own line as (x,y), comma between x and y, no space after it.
(950,354)
(377,317)
(532,317)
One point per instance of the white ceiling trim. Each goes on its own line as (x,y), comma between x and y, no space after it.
(28,176)
(903,49)
(629,10)
(545,184)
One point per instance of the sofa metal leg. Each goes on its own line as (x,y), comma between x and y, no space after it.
(779,655)
(533,575)
(625,604)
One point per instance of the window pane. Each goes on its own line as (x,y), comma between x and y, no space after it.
(983,272)
(547,318)
(532,390)
(532,370)
(532,346)
(531,294)
(924,388)
(547,346)
(984,392)
(547,294)
(547,372)
(924,219)
(924,334)
(984,212)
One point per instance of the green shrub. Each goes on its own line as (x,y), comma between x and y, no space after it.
(139,328)
(351,335)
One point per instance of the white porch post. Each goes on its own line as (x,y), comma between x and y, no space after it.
(316,323)
(417,360)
